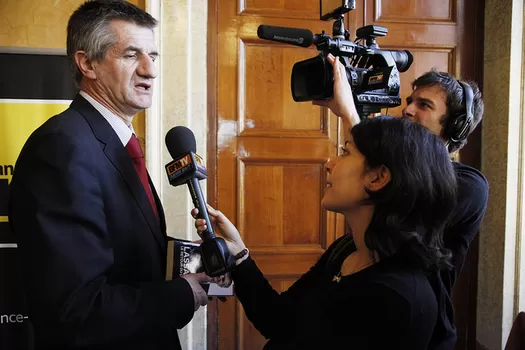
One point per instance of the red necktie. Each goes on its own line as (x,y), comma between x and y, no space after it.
(135,152)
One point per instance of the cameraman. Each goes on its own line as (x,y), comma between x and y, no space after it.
(437,101)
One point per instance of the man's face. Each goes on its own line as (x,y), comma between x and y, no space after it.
(427,106)
(125,75)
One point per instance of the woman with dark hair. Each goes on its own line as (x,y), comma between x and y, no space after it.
(396,187)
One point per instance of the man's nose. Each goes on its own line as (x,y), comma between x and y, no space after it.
(408,111)
(147,68)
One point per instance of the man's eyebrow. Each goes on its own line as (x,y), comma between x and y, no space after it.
(425,100)
(136,49)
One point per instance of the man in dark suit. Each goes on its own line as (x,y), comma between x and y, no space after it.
(90,227)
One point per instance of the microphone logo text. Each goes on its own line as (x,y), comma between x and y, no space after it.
(179,164)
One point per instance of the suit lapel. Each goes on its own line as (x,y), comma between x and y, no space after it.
(119,157)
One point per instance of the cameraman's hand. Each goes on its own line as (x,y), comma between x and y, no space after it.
(342,105)
(200,297)
(222,227)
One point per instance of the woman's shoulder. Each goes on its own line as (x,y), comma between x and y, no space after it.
(394,283)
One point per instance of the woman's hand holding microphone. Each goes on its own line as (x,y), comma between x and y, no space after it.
(225,229)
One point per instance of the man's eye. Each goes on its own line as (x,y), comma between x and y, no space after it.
(344,151)
(129,56)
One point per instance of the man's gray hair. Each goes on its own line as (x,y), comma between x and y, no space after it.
(89,28)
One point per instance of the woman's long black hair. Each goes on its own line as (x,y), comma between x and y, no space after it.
(412,210)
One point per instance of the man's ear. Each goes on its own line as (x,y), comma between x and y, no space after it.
(85,65)
(378,178)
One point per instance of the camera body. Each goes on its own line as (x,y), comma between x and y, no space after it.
(372,73)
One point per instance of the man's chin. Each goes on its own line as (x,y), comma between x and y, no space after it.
(141,104)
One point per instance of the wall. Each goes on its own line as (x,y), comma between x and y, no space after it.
(500,284)
(41,24)
(37,23)
(181,101)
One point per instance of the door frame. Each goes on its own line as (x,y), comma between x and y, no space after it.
(212,51)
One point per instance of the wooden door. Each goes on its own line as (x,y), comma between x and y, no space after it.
(270,152)
(266,152)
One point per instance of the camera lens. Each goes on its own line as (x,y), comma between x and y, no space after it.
(403,59)
(312,79)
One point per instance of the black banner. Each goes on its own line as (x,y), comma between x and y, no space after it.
(38,77)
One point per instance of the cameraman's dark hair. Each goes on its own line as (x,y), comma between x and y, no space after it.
(89,29)
(455,100)
(411,211)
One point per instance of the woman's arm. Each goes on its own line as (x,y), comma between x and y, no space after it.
(272,314)
(342,104)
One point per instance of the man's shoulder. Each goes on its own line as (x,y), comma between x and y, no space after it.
(470,177)
(67,127)
(473,189)
(68,122)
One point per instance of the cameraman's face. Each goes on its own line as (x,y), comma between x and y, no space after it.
(427,106)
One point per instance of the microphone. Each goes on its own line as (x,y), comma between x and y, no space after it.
(188,168)
(293,36)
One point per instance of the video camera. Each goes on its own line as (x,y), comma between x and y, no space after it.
(372,73)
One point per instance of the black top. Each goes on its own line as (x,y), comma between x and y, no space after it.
(389,305)
(463,227)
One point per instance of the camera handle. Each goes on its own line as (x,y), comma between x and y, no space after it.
(338,28)
(364,111)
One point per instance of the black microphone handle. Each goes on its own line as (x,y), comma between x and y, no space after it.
(199,203)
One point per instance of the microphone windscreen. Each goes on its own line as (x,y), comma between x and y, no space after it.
(180,141)
(294,36)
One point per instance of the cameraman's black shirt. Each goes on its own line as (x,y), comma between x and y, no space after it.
(461,230)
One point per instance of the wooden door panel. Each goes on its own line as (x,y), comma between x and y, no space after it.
(285,149)
(265,72)
(281,8)
(411,11)
(270,205)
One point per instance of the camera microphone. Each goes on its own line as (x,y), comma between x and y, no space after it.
(293,36)
(188,168)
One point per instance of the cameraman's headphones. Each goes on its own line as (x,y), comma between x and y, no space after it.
(458,126)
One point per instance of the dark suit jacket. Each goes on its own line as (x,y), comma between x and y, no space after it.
(92,252)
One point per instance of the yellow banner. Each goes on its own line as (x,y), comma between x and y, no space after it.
(18,119)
